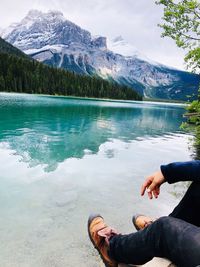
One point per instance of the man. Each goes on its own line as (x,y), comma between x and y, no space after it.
(175,237)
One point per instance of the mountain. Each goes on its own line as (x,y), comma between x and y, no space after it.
(5,47)
(22,74)
(50,38)
(119,46)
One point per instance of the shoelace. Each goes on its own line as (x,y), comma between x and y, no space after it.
(107,233)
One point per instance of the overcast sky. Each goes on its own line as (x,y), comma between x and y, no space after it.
(135,21)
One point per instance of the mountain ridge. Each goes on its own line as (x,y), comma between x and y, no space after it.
(50,38)
(22,74)
(6,47)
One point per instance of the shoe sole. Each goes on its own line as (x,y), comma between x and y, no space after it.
(90,219)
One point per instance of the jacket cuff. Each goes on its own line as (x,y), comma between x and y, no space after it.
(165,169)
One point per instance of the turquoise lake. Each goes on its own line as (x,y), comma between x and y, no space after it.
(63,158)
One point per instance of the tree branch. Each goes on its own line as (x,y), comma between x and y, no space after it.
(197,14)
(190,37)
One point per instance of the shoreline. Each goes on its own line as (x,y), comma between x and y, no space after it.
(144,101)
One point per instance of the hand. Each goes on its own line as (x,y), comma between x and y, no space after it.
(152,184)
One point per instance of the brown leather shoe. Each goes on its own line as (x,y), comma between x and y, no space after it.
(100,235)
(141,221)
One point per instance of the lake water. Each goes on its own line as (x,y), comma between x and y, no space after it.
(63,158)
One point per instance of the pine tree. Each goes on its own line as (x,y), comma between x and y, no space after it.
(28,76)
(2,83)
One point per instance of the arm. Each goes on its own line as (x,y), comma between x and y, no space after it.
(171,173)
(181,171)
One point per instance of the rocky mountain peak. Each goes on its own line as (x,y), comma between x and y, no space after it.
(39,29)
(56,13)
(100,42)
(35,14)
(50,38)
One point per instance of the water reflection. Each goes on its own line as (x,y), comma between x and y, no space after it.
(48,130)
(50,203)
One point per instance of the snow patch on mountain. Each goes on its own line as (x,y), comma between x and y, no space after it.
(120,46)
(54,48)
(50,38)
(5,32)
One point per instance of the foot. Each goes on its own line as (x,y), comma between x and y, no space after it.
(100,235)
(141,221)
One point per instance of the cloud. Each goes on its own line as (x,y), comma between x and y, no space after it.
(136,21)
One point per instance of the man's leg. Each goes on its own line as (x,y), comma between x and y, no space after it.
(188,208)
(167,237)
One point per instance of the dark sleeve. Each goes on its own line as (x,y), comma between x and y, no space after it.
(181,171)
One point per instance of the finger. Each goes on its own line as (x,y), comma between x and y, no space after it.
(145,185)
(152,190)
(150,194)
(158,190)
(152,186)
(143,188)
(155,194)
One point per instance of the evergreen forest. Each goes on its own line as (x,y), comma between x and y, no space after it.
(21,74)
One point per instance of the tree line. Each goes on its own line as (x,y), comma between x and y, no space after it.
(24,75)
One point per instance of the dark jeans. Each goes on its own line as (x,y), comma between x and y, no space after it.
(175,237)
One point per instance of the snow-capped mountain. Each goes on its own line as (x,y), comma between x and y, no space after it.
(50,38)
(120,46)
